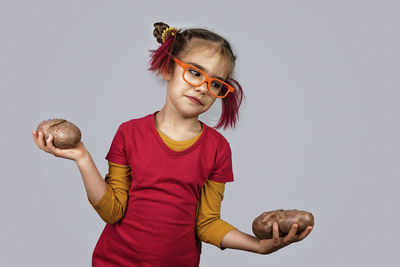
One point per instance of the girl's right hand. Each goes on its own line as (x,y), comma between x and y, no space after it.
(268,246)
(77,153)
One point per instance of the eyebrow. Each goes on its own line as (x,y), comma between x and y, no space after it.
(203,69)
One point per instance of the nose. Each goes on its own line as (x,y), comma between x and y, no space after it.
(202,87)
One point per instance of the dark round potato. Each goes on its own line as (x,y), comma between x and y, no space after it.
(65,133)
(262,225)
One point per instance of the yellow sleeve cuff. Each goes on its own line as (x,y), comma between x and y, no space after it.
(215,232)
(210,228)
(104,199)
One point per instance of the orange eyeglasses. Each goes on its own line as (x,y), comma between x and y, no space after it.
(197,77)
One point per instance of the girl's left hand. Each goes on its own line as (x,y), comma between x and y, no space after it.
(268,246)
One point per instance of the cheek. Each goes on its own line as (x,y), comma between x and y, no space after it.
(174,87)
(177,84)
(210,102)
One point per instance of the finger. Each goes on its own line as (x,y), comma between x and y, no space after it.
(41,140)
(305,233)
(56,151)
(293,229)
(49,143)
(290,237)
(35,137)
(48,140)
(275,232)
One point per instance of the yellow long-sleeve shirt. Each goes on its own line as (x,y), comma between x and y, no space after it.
(210,228)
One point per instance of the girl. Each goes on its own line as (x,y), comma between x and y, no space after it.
(167,170)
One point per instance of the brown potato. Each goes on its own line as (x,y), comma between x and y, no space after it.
(262,225)
(65,133)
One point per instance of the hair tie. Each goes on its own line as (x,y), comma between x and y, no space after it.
(168,31)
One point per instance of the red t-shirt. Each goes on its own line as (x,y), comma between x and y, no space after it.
(159,226)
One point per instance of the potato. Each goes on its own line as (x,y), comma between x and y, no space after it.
(262,225)
(65,133)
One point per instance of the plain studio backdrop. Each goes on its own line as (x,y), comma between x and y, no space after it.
(318,129)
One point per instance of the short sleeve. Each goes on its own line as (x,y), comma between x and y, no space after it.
(222,171)
(117,152)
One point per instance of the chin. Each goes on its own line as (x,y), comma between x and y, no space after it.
(189,113)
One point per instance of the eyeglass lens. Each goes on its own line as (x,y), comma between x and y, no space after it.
(196,78)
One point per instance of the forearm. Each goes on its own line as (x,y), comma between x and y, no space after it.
(94,184)
(236,239)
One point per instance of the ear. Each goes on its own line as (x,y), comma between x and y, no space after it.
(167,75)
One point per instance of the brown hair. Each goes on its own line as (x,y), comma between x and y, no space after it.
(177,42)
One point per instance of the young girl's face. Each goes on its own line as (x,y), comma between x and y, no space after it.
(181,96)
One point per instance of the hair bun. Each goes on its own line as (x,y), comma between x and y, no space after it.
(159,27)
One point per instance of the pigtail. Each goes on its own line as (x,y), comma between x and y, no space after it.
(173,42)
(230,106)
(161,58)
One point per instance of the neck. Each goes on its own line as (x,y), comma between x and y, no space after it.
(167,121)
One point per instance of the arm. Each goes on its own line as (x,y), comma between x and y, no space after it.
(94,184)
(213,230)
(112,206)
(236,239)
(239,240)
(110,195)
(210,228)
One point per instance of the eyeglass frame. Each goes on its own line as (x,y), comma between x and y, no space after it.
(206,78)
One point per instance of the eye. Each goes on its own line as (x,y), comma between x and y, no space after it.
(216,85)
(194,72)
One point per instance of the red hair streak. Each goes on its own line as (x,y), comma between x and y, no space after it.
(160,58)
(160,61)
(230,106)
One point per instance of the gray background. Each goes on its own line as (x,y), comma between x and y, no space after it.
(318,130)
